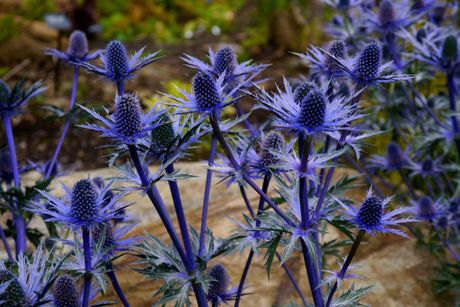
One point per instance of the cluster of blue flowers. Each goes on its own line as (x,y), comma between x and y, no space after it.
(360,85)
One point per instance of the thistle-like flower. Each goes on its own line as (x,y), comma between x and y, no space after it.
(174,136)
(427,168)
(224,62)
(426,209)
(13,100)
(209,95)
(367,68)
(438,50)
(112,239)
(314,115)
(128,124)
(372,216)
(11,292)
(395,158)
(28,284)
(323,63)
(84,205)
(117,66)
(390,17)
(77,50)
(219,291)
(65,292)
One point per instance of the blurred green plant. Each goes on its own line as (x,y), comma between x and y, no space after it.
(9,28)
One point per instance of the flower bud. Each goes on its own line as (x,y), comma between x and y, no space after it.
(13,295)
(205,90)
(162,137)
(312,110)
(117,59)
(128,114)
(84,201)
(369,61)
(450,49)
(302,90)
(225,61)
(370,213)
(65,292)
(78,45)
(386,12)
(219,286)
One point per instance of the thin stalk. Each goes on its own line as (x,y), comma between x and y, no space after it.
(246,200)
(260,210)
(293,281)
(310,266)
(235,164)
(345,266)
(116,285)
(88,268)
(18,220)
(246,122)
(283,265)
(207,192)
(155,198)
(243,278)
(67,124)
(6,244)
(446,244)
(175,193)
(453,108)
(120,88)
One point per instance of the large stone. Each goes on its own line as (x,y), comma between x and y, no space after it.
(400,273)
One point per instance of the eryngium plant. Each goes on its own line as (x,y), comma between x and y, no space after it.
(315,126)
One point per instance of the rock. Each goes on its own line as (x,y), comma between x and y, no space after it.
(41,32)
(401,274)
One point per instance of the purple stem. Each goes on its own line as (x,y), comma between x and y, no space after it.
(446,243)
(207,192)
(291,278)
(345,266)
(246,200)
(19,222)
(453,108)
(6,244)
(243,278)
(67,124)
(323,170)
(88,269)
(120,88)
(310,266)
(246,122)
(260,210)
(235,164)
(175,193)
(116,285)
(157,202)
(293,281)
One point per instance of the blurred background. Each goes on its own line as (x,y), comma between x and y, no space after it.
(263,30)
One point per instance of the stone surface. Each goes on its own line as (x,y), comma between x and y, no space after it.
(400,273)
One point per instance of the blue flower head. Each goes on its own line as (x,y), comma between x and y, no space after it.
(11,292)
(426,209)
(66,292)
(83,206)
(224,62)
(373,218)
(117,65)
(390,17)
(325,63)
(77,50)
(438,50)
(13,100)
(367,68)
(302,90)
(209,95)
(128,124)
(272,142)
(218,291)
(314,115)
(173,136)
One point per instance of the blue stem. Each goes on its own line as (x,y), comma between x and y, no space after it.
(207,192)
(157,202)
(291,278)
(246,122)
(243,278)
(310,266)
(175,193)
(67,124)
(19,222)
(235,164)
(6,244)
(120,88)
(116,285)
(260,210)
(88,268)
(453,108)
(345,266)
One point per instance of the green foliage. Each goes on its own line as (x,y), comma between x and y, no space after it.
(36,9)
(9,28)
